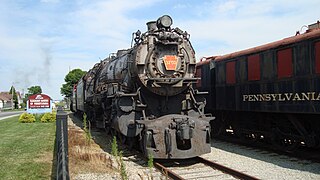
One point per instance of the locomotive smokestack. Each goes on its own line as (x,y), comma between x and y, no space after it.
(152,25)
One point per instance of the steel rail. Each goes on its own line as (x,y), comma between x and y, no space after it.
(170,173)
(225,169)
(167,172)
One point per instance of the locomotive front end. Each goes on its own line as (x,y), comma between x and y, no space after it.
(165,59)
(175,126)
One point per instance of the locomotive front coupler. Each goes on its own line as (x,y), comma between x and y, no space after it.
(175,136)
(184,127)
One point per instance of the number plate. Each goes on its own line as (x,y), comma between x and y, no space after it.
(170,62)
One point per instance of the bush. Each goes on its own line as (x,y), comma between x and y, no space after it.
(123,171)
(38,117)
(27,118)
(114,146)
(23,105)
(48,117)
(86,130)
(150,161)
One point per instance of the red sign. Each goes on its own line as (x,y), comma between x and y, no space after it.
(170,62)
(39,101)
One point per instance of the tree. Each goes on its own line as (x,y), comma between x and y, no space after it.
(31,91)
(34,90)
(14,97)
(71,79)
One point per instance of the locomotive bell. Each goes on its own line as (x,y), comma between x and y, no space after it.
(152,25)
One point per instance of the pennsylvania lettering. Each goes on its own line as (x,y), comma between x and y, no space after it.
(303,96)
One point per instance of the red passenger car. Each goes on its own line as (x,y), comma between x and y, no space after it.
(270,92)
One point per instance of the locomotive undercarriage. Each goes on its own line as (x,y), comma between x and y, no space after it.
(281,131)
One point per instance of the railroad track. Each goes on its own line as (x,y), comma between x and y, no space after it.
(198,168)
(301,153)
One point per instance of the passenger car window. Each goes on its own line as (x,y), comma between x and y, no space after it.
(284,58)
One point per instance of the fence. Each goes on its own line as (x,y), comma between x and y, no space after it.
(62,145)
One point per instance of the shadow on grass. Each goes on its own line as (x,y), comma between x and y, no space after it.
(54,160)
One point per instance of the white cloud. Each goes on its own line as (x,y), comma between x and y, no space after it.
(248,24)
(48,44)
(49,1)
(76,33)
(181,6)
(227,6)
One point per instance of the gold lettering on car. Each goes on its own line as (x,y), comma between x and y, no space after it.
(301,96)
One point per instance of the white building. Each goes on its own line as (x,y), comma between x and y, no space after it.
(6,101)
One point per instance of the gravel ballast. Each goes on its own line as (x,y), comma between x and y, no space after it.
(262,164)
(257,163)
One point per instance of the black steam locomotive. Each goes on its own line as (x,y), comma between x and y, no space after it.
(144,94)
(267,93)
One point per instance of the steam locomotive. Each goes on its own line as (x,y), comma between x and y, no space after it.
(144,94)
(269,93)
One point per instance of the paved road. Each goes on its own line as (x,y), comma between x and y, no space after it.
(4,115)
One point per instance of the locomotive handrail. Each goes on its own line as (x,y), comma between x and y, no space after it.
(201,92)
(169,80)
(120,94)
(157,79)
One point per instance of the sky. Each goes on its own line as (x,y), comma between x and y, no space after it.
(42,40)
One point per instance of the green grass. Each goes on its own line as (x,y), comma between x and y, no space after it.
(26,149)
(8,110)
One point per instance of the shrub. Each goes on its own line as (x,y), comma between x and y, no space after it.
(27,118)
(114,147)
(123,171)
(38,117)
(150,161)
(23,105)
(86,130)
(48,117)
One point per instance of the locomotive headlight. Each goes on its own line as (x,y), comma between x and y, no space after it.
(164,21)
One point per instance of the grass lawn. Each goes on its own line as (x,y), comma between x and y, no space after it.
(26,149)
(8,110)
